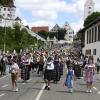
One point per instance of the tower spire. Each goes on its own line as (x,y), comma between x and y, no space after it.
(88,8)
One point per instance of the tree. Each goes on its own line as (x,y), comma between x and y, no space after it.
(43,34)
(61,34)
(16,38)
(91,18)
(6,2)
(20,37)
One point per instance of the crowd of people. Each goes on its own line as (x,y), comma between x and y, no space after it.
(50,64)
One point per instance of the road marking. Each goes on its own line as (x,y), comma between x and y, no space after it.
(4,85)
(2,95)
(23,83)
(95,88)
(98,92)
(40,93)
(4,76)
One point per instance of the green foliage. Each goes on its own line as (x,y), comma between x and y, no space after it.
(91,18)
(59,35)
(43,34)
(6,2)
(16,38)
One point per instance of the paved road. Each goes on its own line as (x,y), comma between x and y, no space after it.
(33,90)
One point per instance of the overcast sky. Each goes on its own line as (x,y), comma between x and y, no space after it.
(50,12)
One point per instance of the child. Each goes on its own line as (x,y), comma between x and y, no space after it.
(69,82)
(14,75)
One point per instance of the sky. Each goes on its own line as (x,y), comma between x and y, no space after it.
(51,12)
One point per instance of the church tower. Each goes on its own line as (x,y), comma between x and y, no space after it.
(88,8)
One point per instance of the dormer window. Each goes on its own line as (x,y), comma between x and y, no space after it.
(89,12)
(8,9)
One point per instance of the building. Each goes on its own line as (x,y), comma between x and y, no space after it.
(8,15)
(55,28)
(69,32)
(88,8)
(92,39)
(40,28)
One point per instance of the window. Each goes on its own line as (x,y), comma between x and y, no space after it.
(99,33)
(0,19)
(4,9)
(54,30)
(88,52)
(9,15)
(95,36)
(70,36)
(8,9)
(3,14)
(89,12)
(89,7)
(87,37)
(92,35)
(94,51)
(70,33)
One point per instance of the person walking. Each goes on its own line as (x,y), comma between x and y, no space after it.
(25,71)
(41,64)
(98,65)
(56,72)
(89,73)
(14,75)
(48,70)
(70,77)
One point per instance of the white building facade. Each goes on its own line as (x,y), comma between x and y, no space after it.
(92,40)
(8,16)
(88,8)
(69,33)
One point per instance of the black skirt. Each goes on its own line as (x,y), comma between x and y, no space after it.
(25,73)
(48,74)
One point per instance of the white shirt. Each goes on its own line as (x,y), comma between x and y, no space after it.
(49,65)
(15,66)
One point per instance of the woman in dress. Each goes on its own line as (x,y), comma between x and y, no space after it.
(89,73)
(56,72)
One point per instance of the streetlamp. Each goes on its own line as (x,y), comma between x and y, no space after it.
(5,36)
(4,46)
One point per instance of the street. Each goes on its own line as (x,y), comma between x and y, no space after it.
(34,90)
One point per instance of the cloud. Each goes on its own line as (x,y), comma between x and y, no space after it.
(77,26)
(44,15)
(47,11)
(39,23)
